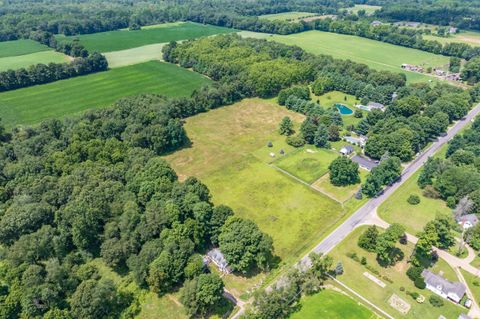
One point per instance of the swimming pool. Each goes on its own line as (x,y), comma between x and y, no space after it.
(343,109)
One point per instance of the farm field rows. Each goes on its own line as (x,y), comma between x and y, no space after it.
(33,104)
(124,39)
(378,55)
(354,278)
(332,305)
(135,55)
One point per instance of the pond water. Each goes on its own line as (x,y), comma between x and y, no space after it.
(343,109)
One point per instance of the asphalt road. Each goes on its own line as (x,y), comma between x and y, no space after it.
(362,214)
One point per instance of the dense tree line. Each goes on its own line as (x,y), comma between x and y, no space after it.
(46,73)
(456,179)
(94,186)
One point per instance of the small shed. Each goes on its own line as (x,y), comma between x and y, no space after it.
(347,150)
(218,259)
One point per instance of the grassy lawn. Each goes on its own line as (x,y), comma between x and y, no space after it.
(288,16)
(375,54)
(33,104)
(354,278)
(396,209)
(136,55)
(332,305)
(331,98)
(308,163)
(340,193)
(25,60)
(468,37)
(20,47)
(473,283)
(124,39)
(368,8)
(229,154)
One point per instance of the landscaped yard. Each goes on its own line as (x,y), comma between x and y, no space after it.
(354,278)
(125,39)
(332,305)
(340,193)
(375,54)
(229,154)
(335,97)
(33,104)
(288,16)
(308,163)
(396,209)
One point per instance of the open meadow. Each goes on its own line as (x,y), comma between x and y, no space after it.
(332,305)
(23,53)
(288,16)
(229,154)
(375,54)
(141,54)
(369,9)
(397,278)
(163,33)
(33,104)
(468,37)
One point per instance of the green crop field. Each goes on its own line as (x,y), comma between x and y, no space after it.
(288,16)
(124,39)
(20,47)
(33,104)
(25,60)
(368,8)
(332,305)
(376,54)
(136,55)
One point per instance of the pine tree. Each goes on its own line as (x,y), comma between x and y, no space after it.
(286,126)
(321,137)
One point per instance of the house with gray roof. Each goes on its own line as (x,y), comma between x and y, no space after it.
(347,150)
(375,105)
(364,162)
(218,259)
(443,287)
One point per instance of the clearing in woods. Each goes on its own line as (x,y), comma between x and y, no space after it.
(288,16)
(54,100)
(375,54)
(125,39)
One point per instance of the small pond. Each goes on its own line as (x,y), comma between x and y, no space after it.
(343,109)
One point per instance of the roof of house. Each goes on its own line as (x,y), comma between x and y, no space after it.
(349,148)
(376,105)
(216,256)
(472,218)
(443,284)
(364,162)
(464,316)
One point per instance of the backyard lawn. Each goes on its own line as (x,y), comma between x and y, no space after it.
(375,54)
(340,193)
(396,209)
(332,305)
(308,163)
(54,100)
(354,278)
(162,33)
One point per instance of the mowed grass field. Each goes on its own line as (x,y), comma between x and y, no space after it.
(230,156)
(23,53)
(125,39)
(368,8)
(354,278)
(288,16)
(468,37)
(376,54)
(33,104)
(136,55)
(332,305)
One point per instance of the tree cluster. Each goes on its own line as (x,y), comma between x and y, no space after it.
(387,172)
(383,244)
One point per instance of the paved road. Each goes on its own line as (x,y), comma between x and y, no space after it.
(362,214)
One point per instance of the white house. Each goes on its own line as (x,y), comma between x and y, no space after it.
(444,288)
(347,150)
(467,221)
(215,256)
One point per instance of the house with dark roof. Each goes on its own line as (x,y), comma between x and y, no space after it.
(364,162)
(218,259)
(443,287)
(467,221)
